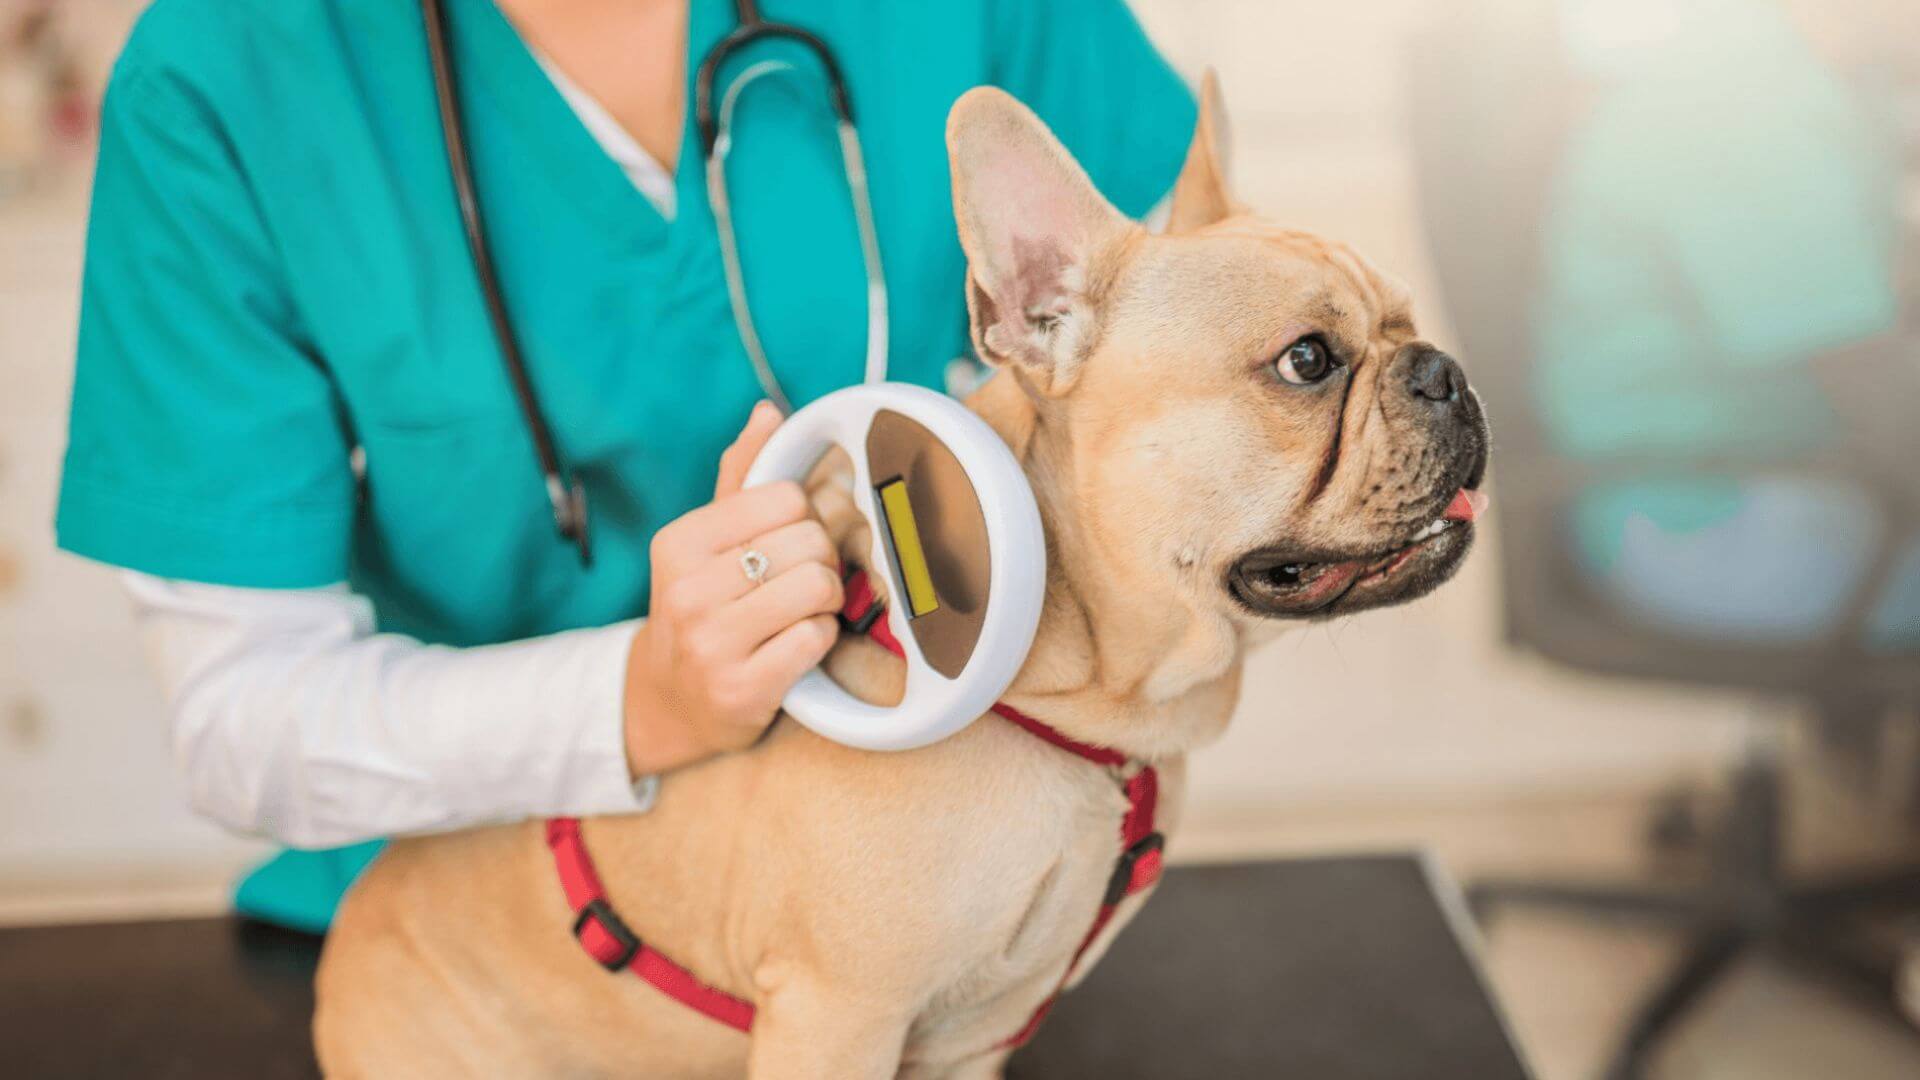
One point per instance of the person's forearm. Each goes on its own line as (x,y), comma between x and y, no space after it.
(291,719)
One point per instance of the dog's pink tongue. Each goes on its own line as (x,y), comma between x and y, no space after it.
(1466,505)
(1328,581)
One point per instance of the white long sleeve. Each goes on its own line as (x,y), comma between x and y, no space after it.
(293,720)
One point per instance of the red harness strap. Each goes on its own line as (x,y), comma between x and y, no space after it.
(608,940)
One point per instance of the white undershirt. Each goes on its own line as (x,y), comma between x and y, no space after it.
(293,720)
(642,168)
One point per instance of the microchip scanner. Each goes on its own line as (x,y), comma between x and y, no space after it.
(956,536)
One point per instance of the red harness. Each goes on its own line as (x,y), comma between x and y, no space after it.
(608,940)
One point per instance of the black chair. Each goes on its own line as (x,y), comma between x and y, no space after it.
(1493,103)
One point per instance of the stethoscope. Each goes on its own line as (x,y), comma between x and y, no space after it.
(564,490)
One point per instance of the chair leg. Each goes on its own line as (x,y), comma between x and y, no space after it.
(1850,964)
(1872,973)
(1706,959)
(1652,905)
(1889,889)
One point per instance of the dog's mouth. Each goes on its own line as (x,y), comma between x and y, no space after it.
(1277,583)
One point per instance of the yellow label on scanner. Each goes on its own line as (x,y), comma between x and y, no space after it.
(907,553)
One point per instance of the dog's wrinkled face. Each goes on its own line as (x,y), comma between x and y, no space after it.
(1329,452)
(1254,412)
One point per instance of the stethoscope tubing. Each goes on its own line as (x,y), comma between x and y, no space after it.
(853,162)
(564,491)
(753,28)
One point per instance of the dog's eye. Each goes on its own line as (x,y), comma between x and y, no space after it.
(1306,361)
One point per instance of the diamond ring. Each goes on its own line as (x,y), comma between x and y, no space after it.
(754,564)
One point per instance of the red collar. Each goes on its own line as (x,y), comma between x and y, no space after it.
(608,940)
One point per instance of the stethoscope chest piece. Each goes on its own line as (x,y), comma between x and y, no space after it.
(956,535)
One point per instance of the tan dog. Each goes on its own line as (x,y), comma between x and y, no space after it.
(1226,426)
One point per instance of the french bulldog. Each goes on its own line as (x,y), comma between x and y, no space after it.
(1230,427)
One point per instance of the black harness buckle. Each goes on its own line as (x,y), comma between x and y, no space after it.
(860,626)
(598,910)
(1122,878)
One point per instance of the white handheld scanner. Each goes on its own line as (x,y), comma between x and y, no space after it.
(957,538)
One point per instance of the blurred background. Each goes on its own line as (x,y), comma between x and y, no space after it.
(1664,726)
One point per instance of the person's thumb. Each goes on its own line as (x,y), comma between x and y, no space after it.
(738,458)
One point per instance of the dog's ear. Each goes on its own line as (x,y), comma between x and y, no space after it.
(1201,196)
(1036,233)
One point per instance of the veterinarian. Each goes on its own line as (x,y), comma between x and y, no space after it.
(293,427)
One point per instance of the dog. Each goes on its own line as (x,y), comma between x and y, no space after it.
(1229,427)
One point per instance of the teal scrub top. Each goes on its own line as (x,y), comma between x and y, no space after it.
(276,276)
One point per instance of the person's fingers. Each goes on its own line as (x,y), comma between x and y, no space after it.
(763,678)
(791,653)
(786,547)
(738,458)
(734,520)
(806,590)
(722,578)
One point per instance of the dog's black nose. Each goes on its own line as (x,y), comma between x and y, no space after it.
(1435,377)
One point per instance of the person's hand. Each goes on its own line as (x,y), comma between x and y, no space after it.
(716,653)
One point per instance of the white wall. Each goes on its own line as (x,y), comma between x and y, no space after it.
(86,788)
(1411,705)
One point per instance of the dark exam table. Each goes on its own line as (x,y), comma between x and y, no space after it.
(1307,969)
